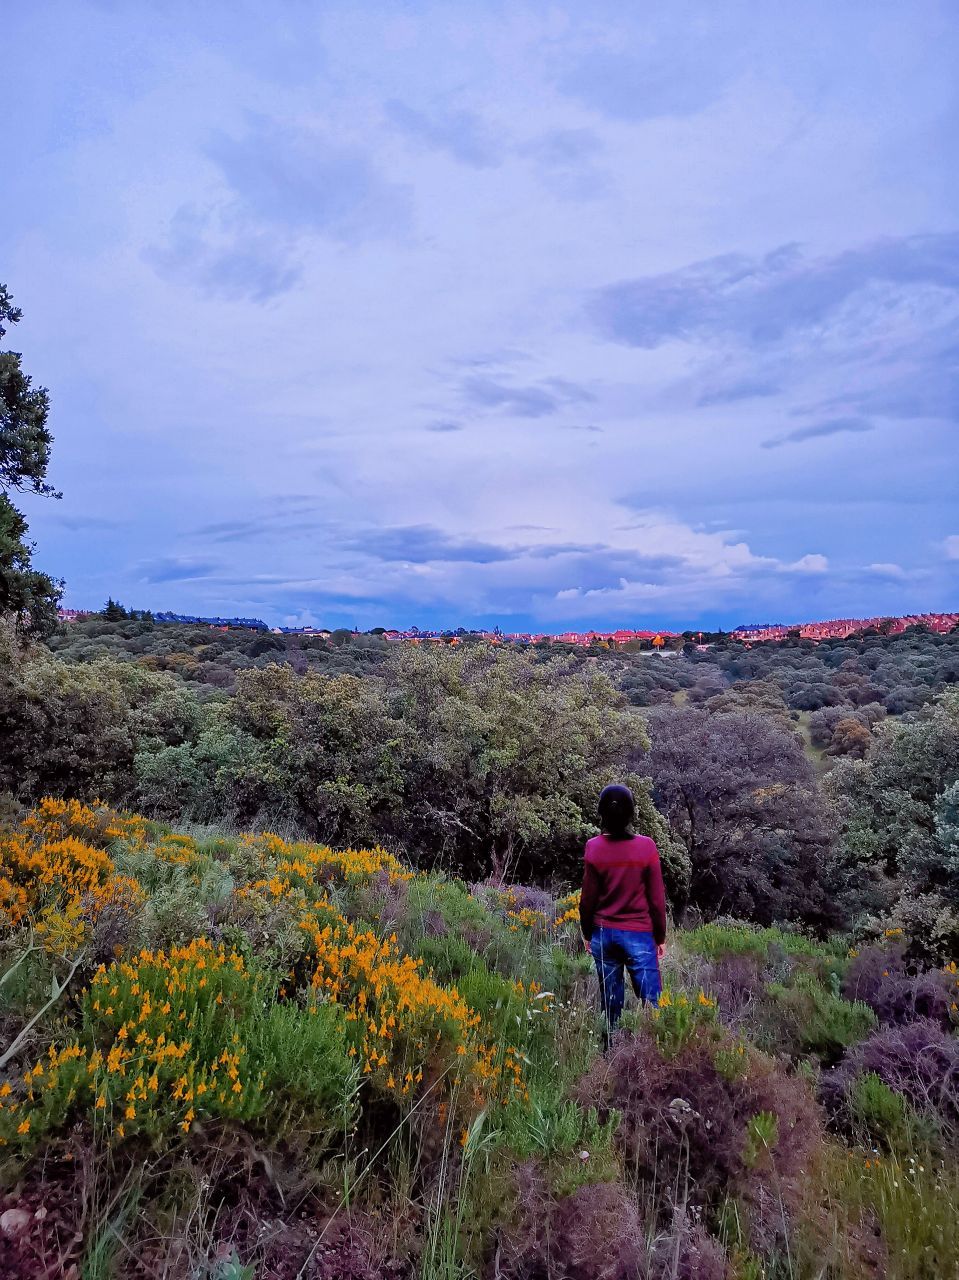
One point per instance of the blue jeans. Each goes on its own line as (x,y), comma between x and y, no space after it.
(616,949)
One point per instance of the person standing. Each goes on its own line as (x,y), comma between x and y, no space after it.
(622,908)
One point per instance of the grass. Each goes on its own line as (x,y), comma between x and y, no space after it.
(323,1150)
(714,940)
(910,1195)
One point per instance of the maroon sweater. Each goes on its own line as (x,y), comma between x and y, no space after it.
(623,887)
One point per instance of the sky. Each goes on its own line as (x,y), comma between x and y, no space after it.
(538,315)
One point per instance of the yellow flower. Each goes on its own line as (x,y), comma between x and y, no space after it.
(23,1126)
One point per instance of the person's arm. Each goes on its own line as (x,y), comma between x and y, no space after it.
(588,899)
(656,897)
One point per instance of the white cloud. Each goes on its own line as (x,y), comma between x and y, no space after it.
(883,570)
(808,564)
(951,546)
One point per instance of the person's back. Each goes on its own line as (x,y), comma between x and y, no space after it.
(622,906)
(623,886)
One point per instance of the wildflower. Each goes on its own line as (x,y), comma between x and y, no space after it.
(23,1126)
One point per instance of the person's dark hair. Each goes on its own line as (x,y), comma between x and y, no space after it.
(617,808)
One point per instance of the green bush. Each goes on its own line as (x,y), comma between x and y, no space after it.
(571,1142)
(741,939)
(449,958)
(884,1115)
(234,1054)
(496,999)
(807,1019)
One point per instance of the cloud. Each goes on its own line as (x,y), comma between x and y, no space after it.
(525,402)
(762,300)
(679,68)
(295,513)
(461,134)
(421,544)
(81,523)
(895,571)
(744,389)
(547,551)
(560,148)
(502,358)
(951,546)
(223,260)
(261,527)
(919,379)
(565,161)
(284,183)
(176,569)
(834,427)
(570,392)
(302,181)
(808,564)
(444,426)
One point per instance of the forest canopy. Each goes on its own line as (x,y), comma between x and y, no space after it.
(486,759)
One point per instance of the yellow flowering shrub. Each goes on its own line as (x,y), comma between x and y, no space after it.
(55,819)
(187,1034)
(678,1016)
(404,1026)
(951,970)
(524,919)
(14,899)
(52,870)
(527,918)
(567,910)
(172,1038)
(286,866)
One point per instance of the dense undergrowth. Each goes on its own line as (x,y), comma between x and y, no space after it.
(243,1056)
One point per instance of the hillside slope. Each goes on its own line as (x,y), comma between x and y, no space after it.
(234,1057)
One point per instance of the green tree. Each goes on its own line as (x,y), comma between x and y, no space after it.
(320,754)
(75,730)
(739,793)
(751,697)
(483,760)
(897,807)
(509,754)
(29,596)
(113,610)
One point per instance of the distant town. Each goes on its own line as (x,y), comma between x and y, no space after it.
(653,639)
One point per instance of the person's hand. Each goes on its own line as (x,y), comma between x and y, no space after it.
(660,950)
(586,946)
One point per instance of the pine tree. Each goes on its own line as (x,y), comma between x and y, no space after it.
(29,596)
